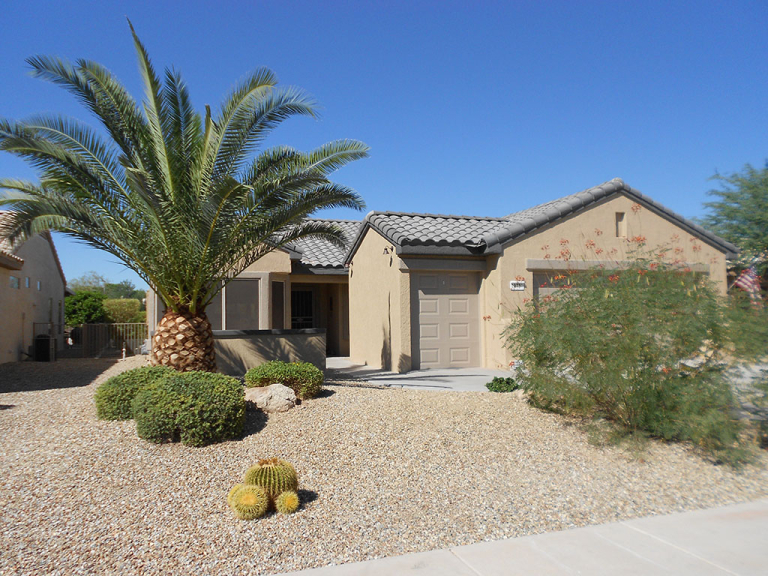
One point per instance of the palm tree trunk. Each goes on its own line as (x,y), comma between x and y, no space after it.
(184,342)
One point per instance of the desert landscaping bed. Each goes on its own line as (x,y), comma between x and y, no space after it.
(382,472)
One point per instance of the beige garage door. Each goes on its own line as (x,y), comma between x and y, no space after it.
(445,320)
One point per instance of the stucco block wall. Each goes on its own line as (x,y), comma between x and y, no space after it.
(21,308)
(237,353)
(597,225)
(379,306)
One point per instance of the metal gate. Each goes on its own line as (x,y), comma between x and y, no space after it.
(101,340)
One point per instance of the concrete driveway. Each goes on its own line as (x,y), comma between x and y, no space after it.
(449,379)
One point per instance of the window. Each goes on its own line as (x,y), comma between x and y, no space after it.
(39,286)
(14,282)
(213,311)
(242,304)
(26,282)
(301,309)
(278,305)
(621,225)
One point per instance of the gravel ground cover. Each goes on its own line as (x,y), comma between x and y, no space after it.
(382,472)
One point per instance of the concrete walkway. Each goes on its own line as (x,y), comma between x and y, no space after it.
(728,540)
(452,379)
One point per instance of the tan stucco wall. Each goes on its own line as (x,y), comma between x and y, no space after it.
(235,356)
(500,302)
(19,309)
(379,306)
(275,261)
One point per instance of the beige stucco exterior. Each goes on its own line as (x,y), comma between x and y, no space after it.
(21,307)
(598,225)
(380,308)
(330,297)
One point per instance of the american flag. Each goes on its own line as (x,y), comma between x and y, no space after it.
(749,281)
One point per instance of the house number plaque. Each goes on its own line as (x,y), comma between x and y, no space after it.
(517,285)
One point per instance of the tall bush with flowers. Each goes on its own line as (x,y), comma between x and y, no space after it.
(639,345)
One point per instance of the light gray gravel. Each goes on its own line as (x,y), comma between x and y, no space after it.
(383,472)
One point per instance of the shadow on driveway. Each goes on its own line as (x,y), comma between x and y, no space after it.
(69,373)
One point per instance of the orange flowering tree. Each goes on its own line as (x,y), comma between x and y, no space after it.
(639,346)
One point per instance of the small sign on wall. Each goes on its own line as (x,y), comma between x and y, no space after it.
(517,285)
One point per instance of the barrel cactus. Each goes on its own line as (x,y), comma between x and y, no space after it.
(287,502)
(248,502)
(235,488)
(273,475)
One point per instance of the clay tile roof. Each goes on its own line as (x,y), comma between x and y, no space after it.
(479,234)
(406,229)
(6,248)
(317,252)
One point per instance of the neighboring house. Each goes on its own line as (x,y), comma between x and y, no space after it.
(433,291)
(32,286)
(430,291)
(304,285)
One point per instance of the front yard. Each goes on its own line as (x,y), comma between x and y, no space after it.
(381,471)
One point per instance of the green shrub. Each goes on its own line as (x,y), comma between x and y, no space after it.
(197,408)
(612,348)
(114,397)
(499,384)
(85,308)
(305,379)
(122,310)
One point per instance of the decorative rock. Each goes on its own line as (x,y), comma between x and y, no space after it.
(273,398)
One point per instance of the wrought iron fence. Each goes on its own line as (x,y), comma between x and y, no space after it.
(101,340)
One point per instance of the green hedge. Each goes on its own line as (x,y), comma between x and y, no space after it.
(196,408)
(305,379)
(113,398)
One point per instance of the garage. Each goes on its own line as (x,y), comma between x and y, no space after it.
(446,332)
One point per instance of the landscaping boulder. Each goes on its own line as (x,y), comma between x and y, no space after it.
(273,398)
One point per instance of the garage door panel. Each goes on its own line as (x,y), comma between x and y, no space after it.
(458,283)
(458,306)
(459,355)
(427,281)
(445,330)
(456,331)
(429,331)
(429,356)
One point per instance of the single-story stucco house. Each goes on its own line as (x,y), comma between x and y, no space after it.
(32,286)
(418,291)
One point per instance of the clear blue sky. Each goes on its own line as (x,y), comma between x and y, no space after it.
(478,108)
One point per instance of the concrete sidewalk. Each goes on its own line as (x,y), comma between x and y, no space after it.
(728,540)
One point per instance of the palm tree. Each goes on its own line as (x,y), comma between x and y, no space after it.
(180,198)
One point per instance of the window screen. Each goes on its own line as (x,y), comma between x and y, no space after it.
(242,304)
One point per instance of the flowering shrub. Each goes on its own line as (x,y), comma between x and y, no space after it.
(612,348)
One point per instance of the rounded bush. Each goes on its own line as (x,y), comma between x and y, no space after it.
(287,502)
(305,379)
(114,397)
(248,502)
(196,408)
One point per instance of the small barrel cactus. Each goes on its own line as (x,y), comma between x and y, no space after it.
(274,475)
(248,502)
(287,502)
(235,488)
